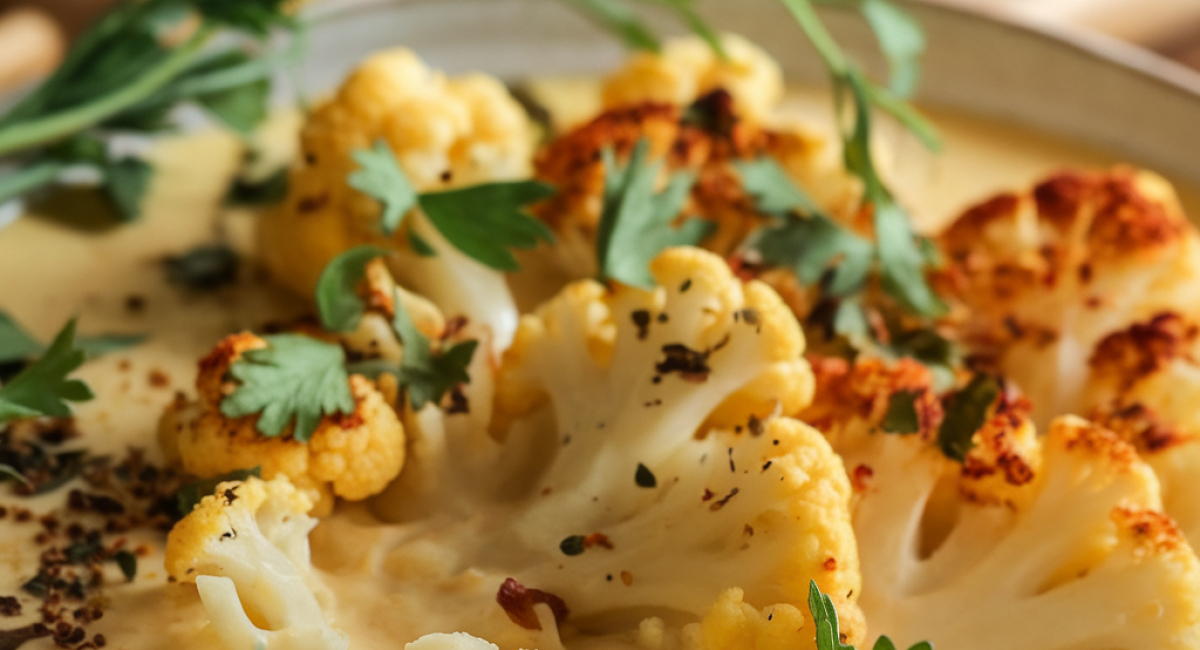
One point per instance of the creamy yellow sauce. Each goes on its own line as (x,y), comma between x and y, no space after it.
(50,272)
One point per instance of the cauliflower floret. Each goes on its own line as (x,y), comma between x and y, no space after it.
(454,641)
(246,549)
(636,438)
(445,133)
(1070,550)
(352,456)
(1144,384)
(1044,276)
(688,69)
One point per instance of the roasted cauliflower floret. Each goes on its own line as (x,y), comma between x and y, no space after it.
(246,549)
(1042,277)
(352,456)
(1069,550)
(445,133)
(688,69)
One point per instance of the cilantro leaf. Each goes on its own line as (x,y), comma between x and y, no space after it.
(15,343)
(190,494)
(294,378)
(43,388)
(338,302)
(806,241)
(901,40)
(486,221)
(427,376)
(966,411)
(636,222)
(381,177)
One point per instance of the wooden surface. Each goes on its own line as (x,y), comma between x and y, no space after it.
(33,32)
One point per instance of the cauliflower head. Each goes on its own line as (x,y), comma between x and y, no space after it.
(352,456)
(246,549)
(687,69)
(640,476)
(1043,276)
(445,133)
(1052,542)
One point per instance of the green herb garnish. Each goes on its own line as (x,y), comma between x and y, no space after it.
(426,376)
(123,75)
(825,618)
(901,416)
(572,545)
(618,18)
(189,495)
(17,345)
(483,221)
(636,223)
(338,302)
(128,564)
(42,388)
(966,411)
(294,378)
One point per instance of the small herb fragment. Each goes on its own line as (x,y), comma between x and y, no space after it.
(825,618)
(294,378)
(42,388)
(203,268)
(901,416)
(426,376)
(128,564)
(644,477)
(636,222)
(338,302)
(572,545)
(381,177)
(189,495)
(966,411)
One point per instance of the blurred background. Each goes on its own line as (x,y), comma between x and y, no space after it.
(34,33)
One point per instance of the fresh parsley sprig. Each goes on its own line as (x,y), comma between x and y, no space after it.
(486,222)
(425,374)
(825,619)
(124,75)
(637,222)
(42,388)
(295,378)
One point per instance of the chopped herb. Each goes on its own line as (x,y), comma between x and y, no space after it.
(381,177)
(294,378)
(966,411)
(572,545)
(901,416)
(338,302)
(483,221)
(189,495)
(486,221)
(828,635)
(644,477)
(128,563)
(426,376)
(203,268)
(636,222)
(43,388)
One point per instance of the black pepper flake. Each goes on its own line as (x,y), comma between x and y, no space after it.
(644,477)
(725,499)
(572,545)
(756,426)
(641,319)
(687,284)
(766,466)
(691,365)
(662,318)
(732,467)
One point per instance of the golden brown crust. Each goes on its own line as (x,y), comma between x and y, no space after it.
(1099,441)
(1152,533)
(1141,426)
(998,449)
(1144,348)
(863,390)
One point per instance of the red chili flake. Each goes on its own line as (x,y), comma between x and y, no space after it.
(597,539)
(830,564)
(518,601)
(860,476)
(708,495)
(159,379)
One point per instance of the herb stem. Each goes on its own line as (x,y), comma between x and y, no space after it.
(40,131)
(29,178)
(821,39)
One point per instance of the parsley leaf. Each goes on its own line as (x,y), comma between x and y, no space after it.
(636,222)
(901,40)
(381,177)
(486,221)
(483,221)
(966,411)
(338,302)
(15,343)
(427,376)
(294,378)
(43,388)
(806,241)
